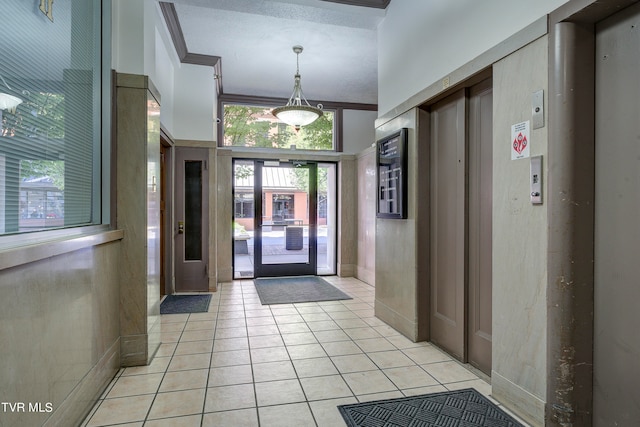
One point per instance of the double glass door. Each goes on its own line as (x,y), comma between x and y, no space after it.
(283,224)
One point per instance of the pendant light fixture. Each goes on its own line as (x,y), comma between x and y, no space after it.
(296,113)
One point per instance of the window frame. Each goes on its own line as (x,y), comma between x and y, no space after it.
(269,102)
(102,210)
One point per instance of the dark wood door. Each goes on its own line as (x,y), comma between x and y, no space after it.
(448,224)
(480,159)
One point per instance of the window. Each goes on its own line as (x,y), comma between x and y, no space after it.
(50,115)
(255,126)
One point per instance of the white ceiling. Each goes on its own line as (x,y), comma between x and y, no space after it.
(254,39)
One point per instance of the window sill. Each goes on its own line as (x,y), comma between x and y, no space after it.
(13,256)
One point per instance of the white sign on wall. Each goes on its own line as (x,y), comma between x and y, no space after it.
(520,140)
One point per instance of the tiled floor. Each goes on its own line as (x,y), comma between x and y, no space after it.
(244,364)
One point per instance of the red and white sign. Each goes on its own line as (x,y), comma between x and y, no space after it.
(520,140)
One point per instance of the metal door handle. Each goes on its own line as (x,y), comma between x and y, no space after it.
(180,227)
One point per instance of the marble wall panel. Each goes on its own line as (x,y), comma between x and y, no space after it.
(519,234)
(366,224)
(58,323)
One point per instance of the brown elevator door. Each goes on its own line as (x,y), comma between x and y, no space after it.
(480,158)
(448,208)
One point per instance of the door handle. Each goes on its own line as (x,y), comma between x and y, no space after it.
(180,227)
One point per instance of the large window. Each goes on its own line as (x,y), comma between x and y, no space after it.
(255,126)
(50,115)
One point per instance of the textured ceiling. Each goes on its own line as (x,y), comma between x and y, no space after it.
(254,39)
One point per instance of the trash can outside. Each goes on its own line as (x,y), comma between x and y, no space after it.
(293,238)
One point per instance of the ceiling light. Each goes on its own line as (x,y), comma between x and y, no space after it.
(296,113)
(8,102)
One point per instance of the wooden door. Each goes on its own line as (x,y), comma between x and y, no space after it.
(480,152)
(192,219)
(448,224)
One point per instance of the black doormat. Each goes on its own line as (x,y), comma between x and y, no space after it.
(177,304)
(287,290)
(460,408)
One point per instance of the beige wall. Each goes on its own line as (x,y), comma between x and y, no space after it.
(400,289)
(366,223)
(59,332)
(519,239)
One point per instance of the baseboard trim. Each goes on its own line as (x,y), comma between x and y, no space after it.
(516,399)
(83,397)
(397,321)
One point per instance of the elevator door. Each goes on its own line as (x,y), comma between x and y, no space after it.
(461,224)
(617,233)
(448,225)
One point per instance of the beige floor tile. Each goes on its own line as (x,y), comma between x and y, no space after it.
(299,339)
(135,384)
(424,390)
(351,323)
(269,354)
(390,359)
(341,348)
(306,351)
(315,317)
(368,382)
(325,387)
(279,392)
(326,412)
(362,333)
(273,371)
(186,421)
(173,318)
(200,335)
(426,354)
(374,344)
(157,365)
(197,325)
(237,418)
(353,363)
(203,316)
(177,403)
(238,332)
(324,325)
(478,384)
(294,415)
(283,310)
(262,313)
(229,375)
(189,361)
(307,309)
(264,341)
(229,315)
(230,358)
(260,321)
(235,322)
(331,336)
(315,367)
(409,377)
(230,344)
(193,347)
(343,315)
(166,349)
(231,397)
(293,328)
(379,396)
(262,330)
(121,410)
(184,380)
(172,327)
(449,372)
(170,336)
(289,318)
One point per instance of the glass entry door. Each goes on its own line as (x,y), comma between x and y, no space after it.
(285,235)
